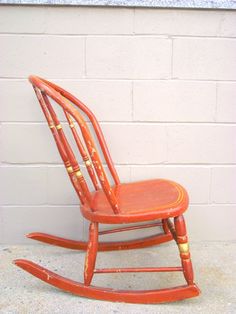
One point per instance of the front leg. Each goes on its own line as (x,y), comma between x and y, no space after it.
(91,255)
(182,241)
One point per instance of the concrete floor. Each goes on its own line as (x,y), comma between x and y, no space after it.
(215,273)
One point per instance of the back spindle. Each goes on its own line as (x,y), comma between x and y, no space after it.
(60,147)
(69,151)
(82,151)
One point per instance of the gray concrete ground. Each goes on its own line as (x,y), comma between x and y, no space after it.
(215,273)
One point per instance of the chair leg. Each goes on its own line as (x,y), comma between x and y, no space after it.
(182,241)
(165,226)
(91,254)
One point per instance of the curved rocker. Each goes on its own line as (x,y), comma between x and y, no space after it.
(110,202)
(102,246)
(134,296)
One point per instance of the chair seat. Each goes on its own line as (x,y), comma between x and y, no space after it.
(139,201)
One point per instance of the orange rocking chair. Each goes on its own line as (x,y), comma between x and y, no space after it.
(161,201)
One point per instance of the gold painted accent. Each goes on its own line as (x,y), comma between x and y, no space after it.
(88,163)
(183,247)
(78,174)
(72,125)
(69,169)
(67,163)
(58,127)
(180,197)
(51,126)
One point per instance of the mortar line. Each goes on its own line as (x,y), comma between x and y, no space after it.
(172,57)
(216,103)
(210,187)
(77,205)
(132,102)
(129,122)
(88,79)
(85,56)
(150,35)
(6,164)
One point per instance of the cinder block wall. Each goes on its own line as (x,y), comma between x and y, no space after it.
(161,82)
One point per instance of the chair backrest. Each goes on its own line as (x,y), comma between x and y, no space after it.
(73,108)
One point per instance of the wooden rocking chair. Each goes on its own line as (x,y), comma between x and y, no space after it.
(151,200)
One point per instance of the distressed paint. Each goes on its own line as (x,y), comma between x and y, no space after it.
(122,203)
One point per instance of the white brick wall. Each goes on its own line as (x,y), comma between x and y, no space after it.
(204,59)
(161,82)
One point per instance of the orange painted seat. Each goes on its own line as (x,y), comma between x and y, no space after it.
(109,202)
(139,201)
